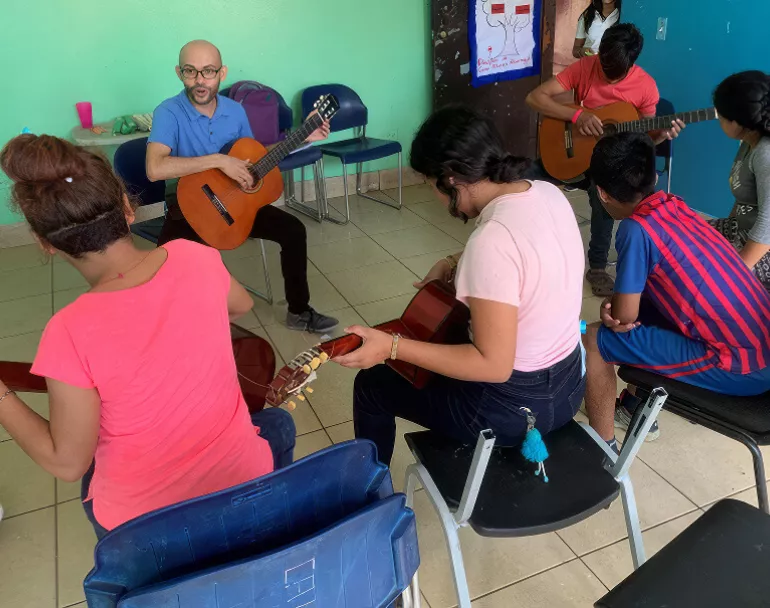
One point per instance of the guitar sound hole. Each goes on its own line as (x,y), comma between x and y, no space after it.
(255,188)
(610,129)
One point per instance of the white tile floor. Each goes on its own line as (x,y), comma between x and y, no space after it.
(362,273)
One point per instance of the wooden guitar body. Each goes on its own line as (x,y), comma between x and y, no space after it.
(566,154)
(254,358)
(209,220)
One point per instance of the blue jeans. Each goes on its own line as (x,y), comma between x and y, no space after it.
(276,426)
(460,409)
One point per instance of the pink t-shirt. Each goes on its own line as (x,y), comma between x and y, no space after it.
(592,90)
(526,251)
(174,424)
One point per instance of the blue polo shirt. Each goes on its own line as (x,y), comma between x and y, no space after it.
(177,124)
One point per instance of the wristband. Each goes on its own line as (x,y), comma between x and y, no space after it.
(576,115)
(5,394)
(394,347)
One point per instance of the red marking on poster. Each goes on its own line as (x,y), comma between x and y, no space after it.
(498,9)
(522,9)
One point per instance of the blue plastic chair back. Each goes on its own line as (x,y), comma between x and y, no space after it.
(129,166)
(363,561)
(352,113)
(250,519)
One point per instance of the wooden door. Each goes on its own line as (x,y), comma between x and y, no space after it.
(503,101)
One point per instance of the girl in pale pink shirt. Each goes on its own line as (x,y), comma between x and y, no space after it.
(521,276)
(143,389)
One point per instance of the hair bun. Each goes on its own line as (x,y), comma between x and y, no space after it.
(37,159)
(506,169)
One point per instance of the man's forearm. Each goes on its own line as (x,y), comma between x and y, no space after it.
(548,107)
(172,167)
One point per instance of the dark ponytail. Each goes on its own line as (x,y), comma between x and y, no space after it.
(459,143)
(745,98)
(595,10)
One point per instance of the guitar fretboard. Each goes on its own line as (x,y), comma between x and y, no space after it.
(292,142)
(645,125)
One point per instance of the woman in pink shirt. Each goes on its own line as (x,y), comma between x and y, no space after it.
(521,276)
(143,389)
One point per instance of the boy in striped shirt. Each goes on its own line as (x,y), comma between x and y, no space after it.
(685,305)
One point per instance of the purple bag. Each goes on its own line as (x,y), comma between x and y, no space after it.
(262,105)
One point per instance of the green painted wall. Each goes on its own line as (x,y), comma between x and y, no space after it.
(121,57)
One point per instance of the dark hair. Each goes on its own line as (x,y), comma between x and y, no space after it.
(623,165)
(457,142)
(70,197)
(745,98)
(595,10)
(619,49)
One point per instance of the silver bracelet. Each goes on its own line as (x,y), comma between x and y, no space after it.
(6,393)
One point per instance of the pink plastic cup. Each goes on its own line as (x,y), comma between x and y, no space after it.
(85,113)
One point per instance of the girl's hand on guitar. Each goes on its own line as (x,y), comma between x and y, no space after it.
(589,124)
(374,350)
(237,170)
(441,271)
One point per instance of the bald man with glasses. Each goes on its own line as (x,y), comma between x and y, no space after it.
(188,132)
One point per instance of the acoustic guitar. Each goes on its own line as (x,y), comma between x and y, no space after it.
(433,315)
(218,209)
(566,154)
(254,358)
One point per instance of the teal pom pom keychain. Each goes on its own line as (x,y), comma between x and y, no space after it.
(533,448)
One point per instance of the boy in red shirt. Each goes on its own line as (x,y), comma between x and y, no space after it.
(598,81)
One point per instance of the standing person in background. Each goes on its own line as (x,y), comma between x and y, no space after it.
(593,22)
(743,103)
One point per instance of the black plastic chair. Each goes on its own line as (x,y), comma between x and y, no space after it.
(353,114)
(495,491)
(129,166)
(665,149)
(745,419)
(721,560)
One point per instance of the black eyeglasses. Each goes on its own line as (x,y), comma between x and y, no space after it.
(190,73)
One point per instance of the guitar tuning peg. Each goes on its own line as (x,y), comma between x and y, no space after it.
(309,390)
(315,363)
(307,369)
(301,397)
(291,406)
(323,357)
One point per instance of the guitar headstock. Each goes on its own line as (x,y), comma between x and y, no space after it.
(327,106)
(295,377)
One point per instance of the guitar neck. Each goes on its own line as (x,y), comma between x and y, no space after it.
(341,346)
(656,123)
(286,147)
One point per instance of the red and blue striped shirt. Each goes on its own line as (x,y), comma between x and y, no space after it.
(703,287)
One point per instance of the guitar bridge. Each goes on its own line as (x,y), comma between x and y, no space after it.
(214,199)
(569,143)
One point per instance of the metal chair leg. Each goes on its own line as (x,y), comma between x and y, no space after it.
(300,205)
(385,201)
(633,526)
(450,527)
(326,212)
(268,295)
(759,475)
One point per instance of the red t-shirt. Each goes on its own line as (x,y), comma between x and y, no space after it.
(174,424)
(592,90)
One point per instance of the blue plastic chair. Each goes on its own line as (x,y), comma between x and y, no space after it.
(309,157)
(666,149)
(129,165)
(240,526)
(353,114)
(364,561)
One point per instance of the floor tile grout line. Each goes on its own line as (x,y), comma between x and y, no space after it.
(596,575)
(7,517)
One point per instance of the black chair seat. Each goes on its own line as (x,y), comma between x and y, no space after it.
(513,501)
(750,414)
(300,159)
(721,560)
(359,150)
(150,229)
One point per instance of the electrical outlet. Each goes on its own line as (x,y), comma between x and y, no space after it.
(662,28)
